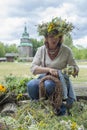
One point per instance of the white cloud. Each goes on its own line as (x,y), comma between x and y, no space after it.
(10,26)
(81,41)
(62,11)
(6,5)
(14,13)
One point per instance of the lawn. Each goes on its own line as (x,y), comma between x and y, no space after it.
(82,77)
(17,69)
(23,70)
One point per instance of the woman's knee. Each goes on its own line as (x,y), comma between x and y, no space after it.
(49,86)
(33,88)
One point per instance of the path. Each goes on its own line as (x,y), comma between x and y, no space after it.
(83,66)
(80,89)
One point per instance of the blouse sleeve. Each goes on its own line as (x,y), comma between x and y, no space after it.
(37,60)
(71,60)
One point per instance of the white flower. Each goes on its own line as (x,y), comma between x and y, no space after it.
(81,127)
(63,122)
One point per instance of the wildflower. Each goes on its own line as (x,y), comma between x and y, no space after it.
(81,127)
(56,24)
(69,70)
(42,124)
(51,27)
(19,96)
(63,122)
(73,126)
(2,88)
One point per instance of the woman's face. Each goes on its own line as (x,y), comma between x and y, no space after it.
(53,41)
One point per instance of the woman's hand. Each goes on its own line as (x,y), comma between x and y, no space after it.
(53,72)
(76,71)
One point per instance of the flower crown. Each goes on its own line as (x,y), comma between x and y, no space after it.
(57,25)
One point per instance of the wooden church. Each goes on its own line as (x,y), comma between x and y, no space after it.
(25,48)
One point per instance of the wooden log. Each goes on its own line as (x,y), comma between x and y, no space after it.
(8,109)
(81,98)
(8,98)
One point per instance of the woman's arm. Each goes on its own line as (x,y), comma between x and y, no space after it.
(40,70)
(72,62)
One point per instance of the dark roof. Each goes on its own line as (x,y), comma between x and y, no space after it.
(11,54)
(2,58)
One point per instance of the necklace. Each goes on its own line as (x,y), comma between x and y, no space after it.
(53,53)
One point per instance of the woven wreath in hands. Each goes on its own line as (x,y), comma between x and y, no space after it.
(56,97)
(56,25)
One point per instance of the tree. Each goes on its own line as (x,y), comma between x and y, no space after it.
(11,48)
(2,50)
(68,40)
(80,52)
(7,49)
(36,44)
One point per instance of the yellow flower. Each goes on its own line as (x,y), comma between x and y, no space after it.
(42,124)
(73,126)
(51,27)
(19,96)
(2,88)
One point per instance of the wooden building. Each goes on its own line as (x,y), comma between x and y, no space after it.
(25,48)
(11,57)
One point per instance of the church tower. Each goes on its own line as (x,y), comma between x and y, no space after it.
(25,47)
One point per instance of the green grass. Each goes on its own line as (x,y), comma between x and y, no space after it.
(23,70)
(17,69)
(82,63)
(82,76)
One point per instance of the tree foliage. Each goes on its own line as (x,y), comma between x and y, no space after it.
(68,40)
(36,44)
(2,50)
(11,48)
(7,49)
(80,53)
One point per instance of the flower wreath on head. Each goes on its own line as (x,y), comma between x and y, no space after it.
(57,24)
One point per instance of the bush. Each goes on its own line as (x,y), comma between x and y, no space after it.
(16,84)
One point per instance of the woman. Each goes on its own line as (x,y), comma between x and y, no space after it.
(51,58)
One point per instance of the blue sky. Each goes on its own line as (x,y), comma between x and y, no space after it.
(15,13)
